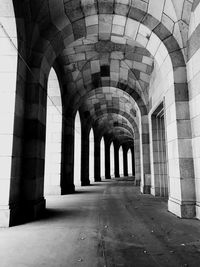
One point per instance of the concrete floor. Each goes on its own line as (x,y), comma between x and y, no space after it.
(107,224)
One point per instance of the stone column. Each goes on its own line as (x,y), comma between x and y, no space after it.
(116,155)
(145,186)
(85,143)
(11,115)
(67,157)
(97,159)
(125,161)
(107,159)
(133,160)
(32,184)
(182,198)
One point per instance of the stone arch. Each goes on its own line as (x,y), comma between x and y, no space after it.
(148,20)
(122,86)
(140,12)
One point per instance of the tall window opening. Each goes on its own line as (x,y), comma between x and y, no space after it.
(77,151)
(112,161)
(102,158)
(91,163)
(53,137)
(121,167)
(159,152)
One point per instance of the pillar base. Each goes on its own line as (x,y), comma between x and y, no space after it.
(21,213)
(182,209)
(97,179)
(145,189)
(51,190)
(108,177)
(153,191)
(34,209)
(6,215)
(159,192)
(85,183)
(198,210)
(69,189)
(137,182)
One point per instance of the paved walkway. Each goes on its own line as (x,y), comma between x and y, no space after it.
(108,224)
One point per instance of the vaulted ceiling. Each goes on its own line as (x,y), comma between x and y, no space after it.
(103,52)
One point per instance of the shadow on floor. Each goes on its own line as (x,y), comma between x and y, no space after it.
(59,214)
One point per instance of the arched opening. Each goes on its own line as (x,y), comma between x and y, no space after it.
(102,158)
(91,155)
(130,162)
(121,167)
(160,182)
(53,137)
(112,161)
(77,150)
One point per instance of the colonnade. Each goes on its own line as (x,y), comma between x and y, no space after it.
(92,158)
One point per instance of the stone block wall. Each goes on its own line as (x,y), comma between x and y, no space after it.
(12,89)
(193,73)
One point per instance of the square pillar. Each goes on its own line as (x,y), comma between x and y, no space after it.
(179,146)
(85,142)
(97,159)
(67,156)
(107,159)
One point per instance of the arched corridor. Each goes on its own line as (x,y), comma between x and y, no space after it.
(99,92)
